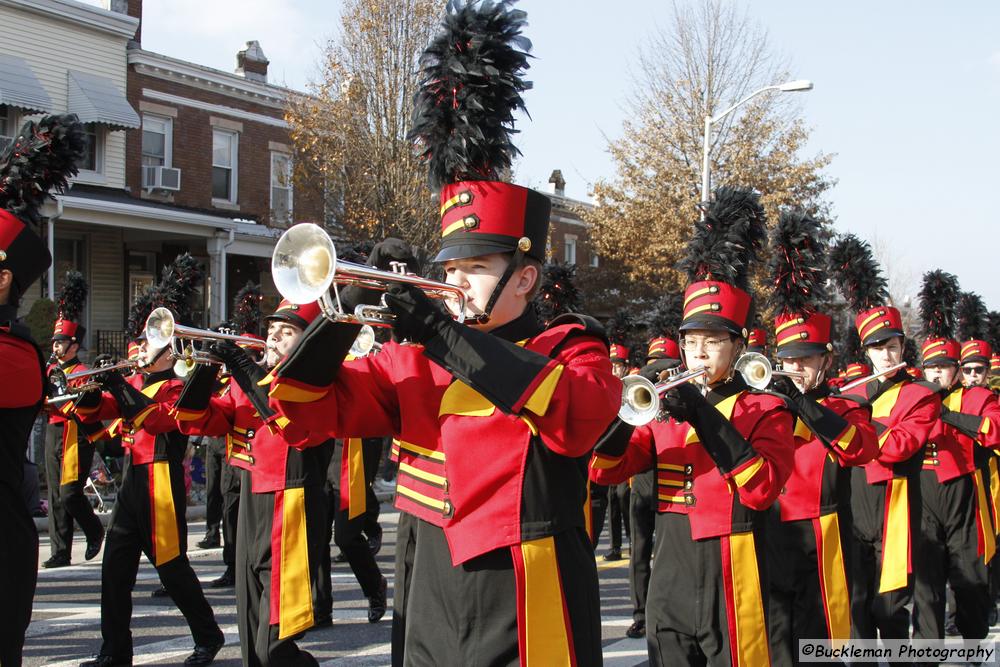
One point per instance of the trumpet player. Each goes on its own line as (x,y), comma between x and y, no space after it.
(721,458)
(69,447)
(811,529)
(282,504)
(149,515)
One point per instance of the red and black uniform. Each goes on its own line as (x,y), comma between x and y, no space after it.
(515,425)
(149,515)
(959,540)
(281,514)
(886,504)
(222,491)
(22,382)
(69,453)
(707,596)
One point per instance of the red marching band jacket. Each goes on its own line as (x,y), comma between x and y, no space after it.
(687,478)
(508,478)
(72,427)
(812,488)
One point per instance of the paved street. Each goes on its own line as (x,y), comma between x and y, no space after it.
(65,626)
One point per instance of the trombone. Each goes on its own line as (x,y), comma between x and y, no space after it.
(757,370)
(304,267)
(162,330)
(73,393)
(641,398)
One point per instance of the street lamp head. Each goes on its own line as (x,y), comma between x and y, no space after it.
(794,86)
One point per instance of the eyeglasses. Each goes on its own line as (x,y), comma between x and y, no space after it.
(973,370)
(707,344)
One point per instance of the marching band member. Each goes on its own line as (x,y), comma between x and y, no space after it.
(282,506)
(515,407)
(720,459)
(69,449)
(885,494)
(957,532)
(149,514)
(41,158)
(810,594)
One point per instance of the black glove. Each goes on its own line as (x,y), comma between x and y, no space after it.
(498,369)
(726,445)
(821,420)
(782,384)
(319,353)
(130,400)
(967,424)
(615,440)
(682,401)
(246,373)
(393,250)
(198,388)
(653,370)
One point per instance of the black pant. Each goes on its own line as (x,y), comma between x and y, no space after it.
(875,614)
(618,504)
(686,617)
(598,509)
(230,486)
(259,642)
(215,463)
(948,555)
(67,502)
(18,573)
(406,543)
(130,534)
(468,615)
(642,511)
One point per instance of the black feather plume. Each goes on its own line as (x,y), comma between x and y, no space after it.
(727,241)
(972,316)
(911,355)
(558,293)
(42,157)
(993,330)
(139,312)
(938,296)
(72,297)
(620,328)
(470,86)
(246,309)
(180,280)
(666,314)
(798,264)
(854,269)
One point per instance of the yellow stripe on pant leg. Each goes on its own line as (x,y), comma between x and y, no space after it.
(896,537)
(985,526)
(357,486)
(166,543)
(70,470)
(995,492)
(546,640)
(296,592)
(836,595)
(748,604)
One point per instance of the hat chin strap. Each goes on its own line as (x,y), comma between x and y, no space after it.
(484,316)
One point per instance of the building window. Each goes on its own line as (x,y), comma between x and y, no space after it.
(281,188)
(157,141)
(569,249)
(595,261)
(7,126)
(225,146)
(93,152)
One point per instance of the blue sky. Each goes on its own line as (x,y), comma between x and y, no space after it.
(907,96)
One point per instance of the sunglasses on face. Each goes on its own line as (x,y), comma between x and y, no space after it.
(973,370)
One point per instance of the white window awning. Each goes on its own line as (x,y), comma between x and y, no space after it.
(19,87)
(95,99)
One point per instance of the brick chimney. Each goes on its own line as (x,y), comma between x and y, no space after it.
(557,184)
(131,8)
(251,63)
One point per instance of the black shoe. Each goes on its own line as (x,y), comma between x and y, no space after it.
(636,630)
(613,554)
(375,541)
(227,580)
(324,621)
(991,617)
(106,661)
(56,561)
(203,655)
(376,603)
(160,592)
(340,558)
(94,546)
(209,543)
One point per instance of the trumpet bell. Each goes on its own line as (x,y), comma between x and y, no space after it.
(160,327)
(364,343)
(640,401)
(304,263)
(756,369)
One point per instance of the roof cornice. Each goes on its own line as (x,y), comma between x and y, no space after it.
(78,13)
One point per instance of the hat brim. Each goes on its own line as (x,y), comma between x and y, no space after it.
(289,318)
(976,359)
(467,250)
(882,335)
(712,322)
(800,349)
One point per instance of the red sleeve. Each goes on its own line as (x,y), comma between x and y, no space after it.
(858,444)
(639,456)
(760,479)
(989,430)
(578,399)
(215,420)
(20,373)
(365,386)
(158,417)
(105,410)
(910,431)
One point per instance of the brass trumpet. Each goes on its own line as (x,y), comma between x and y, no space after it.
(641,398)
(304,267)
(757,370)
(364,343)
(75,392)
(162,331)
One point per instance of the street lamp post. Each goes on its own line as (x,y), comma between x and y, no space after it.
(706,169)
